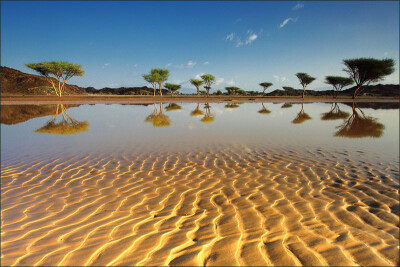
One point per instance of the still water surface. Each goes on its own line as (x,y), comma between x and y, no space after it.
(218,183)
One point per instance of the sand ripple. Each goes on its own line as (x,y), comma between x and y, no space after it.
(230,207)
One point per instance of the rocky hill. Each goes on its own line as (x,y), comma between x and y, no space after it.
(15,82)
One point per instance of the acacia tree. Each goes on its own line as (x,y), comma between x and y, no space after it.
(232,90)
(288,89)
(364,71)
(338,83)
(305,80)
(208,81)
(61,70)
(152,78)
(161,75)
(173,87)
(196,83)
(265,86)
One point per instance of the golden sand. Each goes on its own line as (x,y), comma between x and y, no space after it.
(228,207)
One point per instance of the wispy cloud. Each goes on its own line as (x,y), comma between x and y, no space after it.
(219,80)
(206,63)
(280,78)
(105,65)
(298,6)
(190,64)
(169,64)
(251,38)
(286,21)
(385,54)
(238,20)
(230,36)
(230,82)
(136,65)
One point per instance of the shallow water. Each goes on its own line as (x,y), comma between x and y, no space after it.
(214,184)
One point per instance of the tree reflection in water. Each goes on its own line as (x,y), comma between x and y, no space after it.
(67,126)
(173,106)
(287,105)
(358,126)
(301,116)
(208,117)
(158,119)
(232,105)
(334,114)
(264,110)
(197,111)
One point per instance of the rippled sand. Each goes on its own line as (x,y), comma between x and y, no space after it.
(228,207)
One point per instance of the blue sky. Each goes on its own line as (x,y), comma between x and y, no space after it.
(241,43)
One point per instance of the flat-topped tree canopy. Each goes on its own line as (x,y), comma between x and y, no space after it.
(173,87)
(364,71)
(265,85)
(338,82)
(61,70)
(197,83)
(305,80)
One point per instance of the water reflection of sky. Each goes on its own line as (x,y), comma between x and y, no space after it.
(114,127)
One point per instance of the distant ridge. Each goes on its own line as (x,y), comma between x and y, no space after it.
(15,82)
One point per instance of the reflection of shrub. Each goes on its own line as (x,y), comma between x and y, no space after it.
(286,105)
(264,111)
(158,120)
(64,127)
(231,105)
(207,119)
(301,117)
(334,115)
(196,112)
(172,106)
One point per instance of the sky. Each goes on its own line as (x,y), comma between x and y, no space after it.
(241,43)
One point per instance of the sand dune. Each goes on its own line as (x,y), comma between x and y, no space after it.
(230,207)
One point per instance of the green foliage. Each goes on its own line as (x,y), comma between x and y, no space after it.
(338,82)
(265,85)
(232,90)
(61,70)
(304,79)
(219,92)
(173,87)
(208,81)
(367,70)
(197,84)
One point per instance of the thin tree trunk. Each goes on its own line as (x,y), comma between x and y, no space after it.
(154,87)
(355,92)
(198,91)
(304,89)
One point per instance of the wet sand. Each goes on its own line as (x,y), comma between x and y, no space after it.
(21,100)
(226,206)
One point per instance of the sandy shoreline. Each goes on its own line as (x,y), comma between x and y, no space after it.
(20,100)
(199,208)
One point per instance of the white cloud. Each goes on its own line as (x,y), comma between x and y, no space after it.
(219,80)
(238,19)
(231,82)
(279,79)
(239,42)
(230,36)
(286,21)
(105,65)
(135,65)
(190,64)
(169,64)
(206,63)
(298,6)
(251,38)
(198,76)
(385,54)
